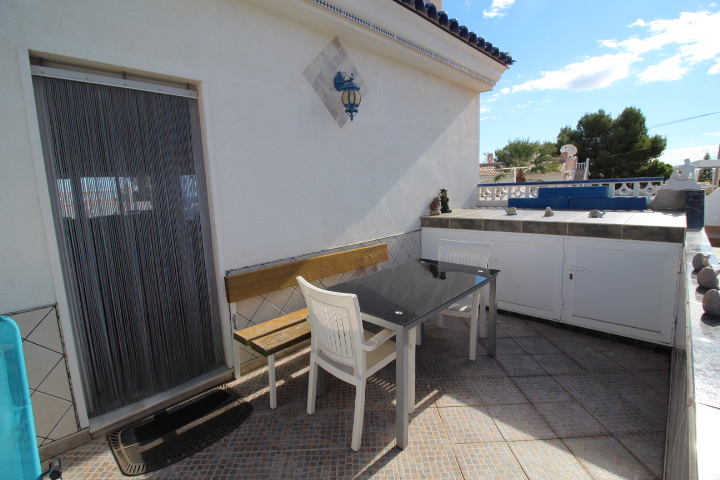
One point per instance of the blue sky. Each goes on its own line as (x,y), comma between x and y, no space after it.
(575,57)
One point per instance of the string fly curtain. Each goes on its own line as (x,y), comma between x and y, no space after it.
(126,179)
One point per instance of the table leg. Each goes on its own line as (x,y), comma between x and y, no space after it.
(401,402)
(492,321)
(412,347)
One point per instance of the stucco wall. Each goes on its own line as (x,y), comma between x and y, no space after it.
(284,178)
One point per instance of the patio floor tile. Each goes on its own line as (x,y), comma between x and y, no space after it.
(420,463)
(426,428)
(454,391)
(520,422)
(542,389)
(548,460)
(515,330)
(469,425)
(536,345)
(520,365)
(558,364)
(498,391)
(368,463)
(308,464)
(488,461)
(570,419)
(649,448)
(606,459)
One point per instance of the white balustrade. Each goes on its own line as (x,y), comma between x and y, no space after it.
(497,194)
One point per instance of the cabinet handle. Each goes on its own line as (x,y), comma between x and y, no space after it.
(576,268)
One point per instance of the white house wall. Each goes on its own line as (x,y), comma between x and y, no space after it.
(283,178)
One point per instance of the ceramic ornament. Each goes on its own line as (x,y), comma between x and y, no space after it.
(711,303)
(699,261)
(707,278)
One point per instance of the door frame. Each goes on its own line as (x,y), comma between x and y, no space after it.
(53,250)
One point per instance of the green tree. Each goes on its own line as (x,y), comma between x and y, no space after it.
(705,174)
(528,156)
(617,148)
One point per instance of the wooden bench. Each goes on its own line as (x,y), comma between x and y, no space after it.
(269,338)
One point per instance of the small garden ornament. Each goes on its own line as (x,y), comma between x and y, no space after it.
(699,261)
(711,303)
(549,212)
(444,201)
(434,206)
(707,278)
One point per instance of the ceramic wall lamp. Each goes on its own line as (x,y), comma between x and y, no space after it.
(350,93)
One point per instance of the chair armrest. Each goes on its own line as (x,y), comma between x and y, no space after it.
(378,339)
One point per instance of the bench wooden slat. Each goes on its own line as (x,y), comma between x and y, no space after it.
(282,339)
(266,280)
(249,334)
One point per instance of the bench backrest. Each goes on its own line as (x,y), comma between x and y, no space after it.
(266,280)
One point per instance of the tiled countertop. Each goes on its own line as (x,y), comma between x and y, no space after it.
(647,225)
(703,350)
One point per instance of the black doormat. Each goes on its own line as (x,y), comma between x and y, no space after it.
(177,432)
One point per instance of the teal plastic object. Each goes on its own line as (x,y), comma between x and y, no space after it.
(19,458)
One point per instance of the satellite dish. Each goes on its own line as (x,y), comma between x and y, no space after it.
(570,149)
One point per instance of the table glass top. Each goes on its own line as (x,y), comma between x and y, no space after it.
(412,290)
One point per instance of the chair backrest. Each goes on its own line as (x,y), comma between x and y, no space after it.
(475,254)
(336,325)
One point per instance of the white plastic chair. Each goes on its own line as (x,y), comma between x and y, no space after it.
(475,254)
(342,348)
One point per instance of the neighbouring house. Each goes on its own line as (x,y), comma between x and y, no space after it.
(148,148)
(570,169)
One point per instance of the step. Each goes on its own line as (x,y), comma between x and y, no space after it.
(600,191)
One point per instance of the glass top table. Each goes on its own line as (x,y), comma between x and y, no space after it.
(403,297)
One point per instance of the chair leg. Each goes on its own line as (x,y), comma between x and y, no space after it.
(418,335)
(440,322)
(312,385)
(271,372)
(359,412)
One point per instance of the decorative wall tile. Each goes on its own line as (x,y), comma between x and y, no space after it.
(321,74)
(51,394)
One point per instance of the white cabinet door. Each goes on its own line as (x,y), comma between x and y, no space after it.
(622,287)
(430,237)
(530,279)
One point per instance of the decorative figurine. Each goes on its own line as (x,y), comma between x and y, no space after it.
(511,210)
(444,200)
(596,213)
(434,206)
(549,212)
(707,278)
(699,261)
(711,303)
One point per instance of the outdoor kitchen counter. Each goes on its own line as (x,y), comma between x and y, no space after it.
(647,225)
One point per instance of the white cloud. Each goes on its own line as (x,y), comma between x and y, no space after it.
(685,42)
(677,155)
(505,90)
(497,7)
(692,36)
(593,73)
(484,110)
(667,70)
(712,134)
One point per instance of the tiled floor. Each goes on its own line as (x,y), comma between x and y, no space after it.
(552,404)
